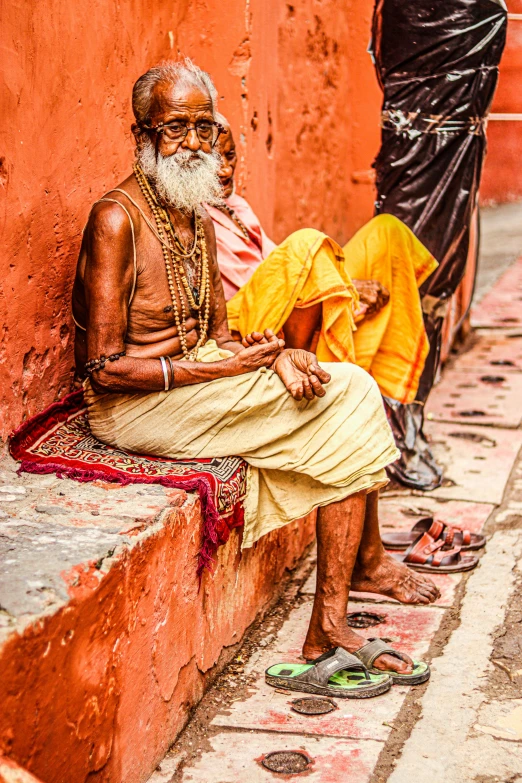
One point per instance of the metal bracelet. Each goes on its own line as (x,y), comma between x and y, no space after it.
(171,384)
(165,372)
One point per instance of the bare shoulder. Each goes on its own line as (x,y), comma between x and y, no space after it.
(110,214)
(108,219)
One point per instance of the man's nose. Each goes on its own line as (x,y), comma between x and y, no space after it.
(225,172)
(191,141)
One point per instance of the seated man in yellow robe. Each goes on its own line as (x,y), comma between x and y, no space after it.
(356,304)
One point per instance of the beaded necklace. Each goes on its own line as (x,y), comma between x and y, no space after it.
(232,215)
(174,253)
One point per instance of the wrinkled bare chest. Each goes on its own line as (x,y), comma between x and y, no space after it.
(159,290)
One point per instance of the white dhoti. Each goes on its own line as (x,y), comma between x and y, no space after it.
(302,455)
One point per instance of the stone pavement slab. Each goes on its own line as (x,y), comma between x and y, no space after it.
(476,460)
(447,584)
(454,705)
(236,758)
(491,397)
(271,710)
(400,513)
(409,629)
(494,351)
(501,307)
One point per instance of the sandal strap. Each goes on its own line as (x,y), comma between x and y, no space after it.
(374,649)
(433,527)
(422,549)
(442,554)
(441,530)
(330,663)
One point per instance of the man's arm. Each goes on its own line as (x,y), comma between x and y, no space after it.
(108,284)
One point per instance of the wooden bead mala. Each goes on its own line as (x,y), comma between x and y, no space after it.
(174,253)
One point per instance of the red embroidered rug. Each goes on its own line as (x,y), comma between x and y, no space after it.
(59,440)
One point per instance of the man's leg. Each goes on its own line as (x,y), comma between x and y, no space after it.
(340,528)
(375,571)
(301,326)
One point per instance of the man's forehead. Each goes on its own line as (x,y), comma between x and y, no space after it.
(169,97)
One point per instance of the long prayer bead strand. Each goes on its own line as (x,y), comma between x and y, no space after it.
(176,274)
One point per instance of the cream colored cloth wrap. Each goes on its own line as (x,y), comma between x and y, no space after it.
(302,454)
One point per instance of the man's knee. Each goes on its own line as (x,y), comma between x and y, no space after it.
(303,236)
(346,373)
(388,223)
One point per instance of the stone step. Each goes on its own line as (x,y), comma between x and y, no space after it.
(107,640)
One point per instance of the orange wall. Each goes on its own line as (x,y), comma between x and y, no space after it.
(502,179)
(294,79)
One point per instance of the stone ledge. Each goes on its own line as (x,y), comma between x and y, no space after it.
(106,639)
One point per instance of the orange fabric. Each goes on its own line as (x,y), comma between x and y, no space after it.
(392,346)
(304,270)
(309,267)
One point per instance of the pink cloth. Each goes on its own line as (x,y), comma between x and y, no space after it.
(238,258)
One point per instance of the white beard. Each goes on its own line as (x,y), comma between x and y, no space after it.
(180,182)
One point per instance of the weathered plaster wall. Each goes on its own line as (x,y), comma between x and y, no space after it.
(293,78)
(328,129)
(502,179)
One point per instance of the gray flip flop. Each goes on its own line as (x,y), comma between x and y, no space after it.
(337,673)
(369,653)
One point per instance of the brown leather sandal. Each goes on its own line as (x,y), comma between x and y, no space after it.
(425,554)
(451,536)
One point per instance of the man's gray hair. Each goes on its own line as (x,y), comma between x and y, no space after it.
(185,72)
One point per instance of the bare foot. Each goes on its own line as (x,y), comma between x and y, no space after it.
(394,579)
(320,641)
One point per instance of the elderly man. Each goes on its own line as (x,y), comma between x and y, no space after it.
(165,377)
(316,292)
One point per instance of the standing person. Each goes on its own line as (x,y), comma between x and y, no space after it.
(437,64)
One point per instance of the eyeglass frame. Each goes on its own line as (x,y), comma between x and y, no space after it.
(160,127)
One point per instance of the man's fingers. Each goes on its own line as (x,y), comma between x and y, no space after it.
(296,390)
(322,375)
(307,389)
(316,386)
(257,337)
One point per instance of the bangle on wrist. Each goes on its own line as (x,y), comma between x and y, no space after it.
(165,372)
(171,366)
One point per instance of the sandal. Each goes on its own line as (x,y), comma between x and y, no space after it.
(369,653)
(337,673)
(452,536)
(428,555)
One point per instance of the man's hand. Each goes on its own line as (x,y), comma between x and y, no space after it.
(258,338)
(373,297)
(301,374)
(260,352)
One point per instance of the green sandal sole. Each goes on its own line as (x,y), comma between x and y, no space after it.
(342,685)
(421,673)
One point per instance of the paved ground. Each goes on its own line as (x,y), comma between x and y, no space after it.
(465,725)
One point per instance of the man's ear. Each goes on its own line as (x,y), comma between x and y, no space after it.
(138,134)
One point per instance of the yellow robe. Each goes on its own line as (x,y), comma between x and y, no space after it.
(310,267)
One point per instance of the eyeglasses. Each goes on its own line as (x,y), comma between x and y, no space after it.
(207,132)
